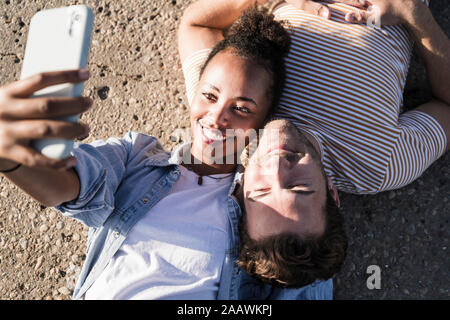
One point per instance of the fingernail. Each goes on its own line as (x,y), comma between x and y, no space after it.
(324,13)
(351,17)
(83,74)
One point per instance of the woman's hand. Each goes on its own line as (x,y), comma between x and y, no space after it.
(386,12)
(23,119)
(321,10)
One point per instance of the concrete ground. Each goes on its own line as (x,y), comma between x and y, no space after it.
(137,84)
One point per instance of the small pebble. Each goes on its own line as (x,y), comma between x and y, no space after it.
(23,243)
(39,262)
(43,228)
(412,230)
(64,291)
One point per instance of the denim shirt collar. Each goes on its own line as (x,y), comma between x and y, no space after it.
(176,157)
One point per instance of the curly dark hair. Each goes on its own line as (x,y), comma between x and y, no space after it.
(258,37)
(291,261)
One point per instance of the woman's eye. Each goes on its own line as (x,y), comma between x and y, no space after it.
(242,109)
(209,96)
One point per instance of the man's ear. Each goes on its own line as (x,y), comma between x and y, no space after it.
(334,192)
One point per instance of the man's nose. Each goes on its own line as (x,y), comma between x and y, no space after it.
(279,166)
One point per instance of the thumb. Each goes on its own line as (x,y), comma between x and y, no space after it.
(312,7)
(357,16)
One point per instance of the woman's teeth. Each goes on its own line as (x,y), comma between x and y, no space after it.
(213,134)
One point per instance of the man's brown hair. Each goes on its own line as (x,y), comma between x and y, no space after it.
(291,261)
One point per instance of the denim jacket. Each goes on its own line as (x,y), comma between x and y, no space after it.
(121,179)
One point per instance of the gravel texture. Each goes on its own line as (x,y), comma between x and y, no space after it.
(137,84)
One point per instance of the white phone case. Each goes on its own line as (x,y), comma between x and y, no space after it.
(58,39)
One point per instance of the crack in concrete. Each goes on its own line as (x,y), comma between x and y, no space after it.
(8,54)
(136,77)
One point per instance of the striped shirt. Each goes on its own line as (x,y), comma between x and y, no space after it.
(344,86)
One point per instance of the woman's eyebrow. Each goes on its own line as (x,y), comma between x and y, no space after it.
(246,99)
(213,87)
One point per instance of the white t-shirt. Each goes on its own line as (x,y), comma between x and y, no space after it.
(176,250)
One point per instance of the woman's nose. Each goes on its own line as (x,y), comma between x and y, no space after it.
(219,115)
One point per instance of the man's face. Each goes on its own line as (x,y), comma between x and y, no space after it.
(284,185)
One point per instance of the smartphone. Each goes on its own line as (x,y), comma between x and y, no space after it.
(58,39)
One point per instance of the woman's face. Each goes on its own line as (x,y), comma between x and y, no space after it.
(233,93)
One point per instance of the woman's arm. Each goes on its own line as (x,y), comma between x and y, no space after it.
(203,21)
(48,187)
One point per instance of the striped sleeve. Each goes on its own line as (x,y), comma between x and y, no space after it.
(191,70)
(421,142)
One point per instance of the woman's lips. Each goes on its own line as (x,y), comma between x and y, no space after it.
(210,135)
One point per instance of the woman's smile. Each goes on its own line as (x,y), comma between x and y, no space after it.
(210,135)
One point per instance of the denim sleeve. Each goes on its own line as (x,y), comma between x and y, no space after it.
(319,290)
(100,167)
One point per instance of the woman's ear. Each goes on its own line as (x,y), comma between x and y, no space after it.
(334,192)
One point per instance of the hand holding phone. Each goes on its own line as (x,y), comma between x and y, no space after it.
(24,119)
(58,39)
